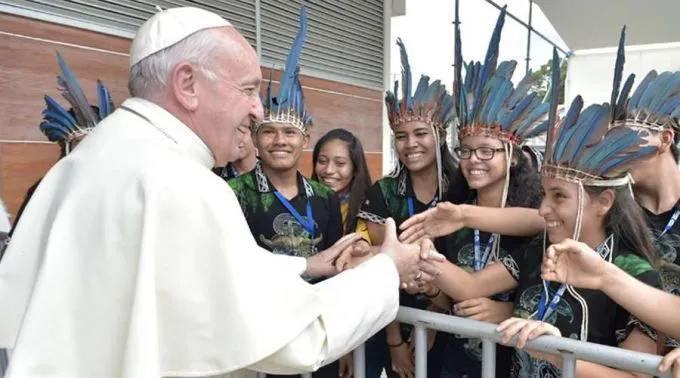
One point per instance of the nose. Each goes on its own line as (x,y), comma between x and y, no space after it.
(473,157)
(411,142)
(279,137)
(544,209)
(328,169)
(257,111)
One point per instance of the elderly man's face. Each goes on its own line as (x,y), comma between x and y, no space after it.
(231,103)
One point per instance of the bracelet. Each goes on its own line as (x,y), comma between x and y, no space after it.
(396,345)
(433,295)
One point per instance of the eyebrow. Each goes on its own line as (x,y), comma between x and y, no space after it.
(252,82)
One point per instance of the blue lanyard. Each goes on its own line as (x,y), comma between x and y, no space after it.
(670,223)
(482,261)
(542,314)
(411,206)
(307,224)
(344,197)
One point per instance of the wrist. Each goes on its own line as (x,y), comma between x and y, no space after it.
(465,213)
(394,338)
(432,293)
(611,277)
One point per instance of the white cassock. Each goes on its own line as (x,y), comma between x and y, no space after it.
(134,260)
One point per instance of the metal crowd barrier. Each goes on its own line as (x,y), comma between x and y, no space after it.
(570,350)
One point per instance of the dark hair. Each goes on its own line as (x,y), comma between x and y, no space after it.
(627,222)
(536,156)
(524,188)
(674,147)
(361,179)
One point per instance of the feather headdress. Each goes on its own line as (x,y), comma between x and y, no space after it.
(487,102)
(289,104)
(655,104)
(430,103)
(61,125)
(582,148)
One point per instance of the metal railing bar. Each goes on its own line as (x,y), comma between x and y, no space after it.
(488,359)
(568,366)
(359,355)
(609,356)
(420,334)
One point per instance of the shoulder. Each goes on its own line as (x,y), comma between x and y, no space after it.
(320,189)
(633,264)
(388,184)
(241,182)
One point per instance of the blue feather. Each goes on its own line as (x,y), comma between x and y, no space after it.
(534,117)
(74,95)
(618,72)
(489,63)
(105,103)
(623,98)
(506,69)
(634,102)
(405,74)
(289,76)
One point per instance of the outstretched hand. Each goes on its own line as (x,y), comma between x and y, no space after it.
(416,264)
(322,264)
(354,255)
(443,219)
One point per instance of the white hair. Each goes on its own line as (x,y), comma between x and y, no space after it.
(149,77)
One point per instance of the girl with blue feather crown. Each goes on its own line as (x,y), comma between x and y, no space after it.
(419,181)
(69,127)
(655,107)
(495,118)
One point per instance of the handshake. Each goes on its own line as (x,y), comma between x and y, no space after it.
(417,264)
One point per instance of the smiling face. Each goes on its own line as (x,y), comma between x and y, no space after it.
(334,166)
(486,165)
(280,145)
(560,206)
(415,145)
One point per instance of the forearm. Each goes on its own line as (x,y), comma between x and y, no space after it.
(585,369)
(393,333)
(440,302)
(659,308)
(346,320)
(460,285)
(511,221)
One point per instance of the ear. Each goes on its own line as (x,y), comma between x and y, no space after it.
(254,135)
(183,79)
(605,201)
(305,140)
(516,155)
(666,138)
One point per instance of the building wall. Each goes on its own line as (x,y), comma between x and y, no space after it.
(29,70)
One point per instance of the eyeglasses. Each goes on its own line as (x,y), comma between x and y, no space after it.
(482,153)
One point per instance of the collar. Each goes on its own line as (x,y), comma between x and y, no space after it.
(187,140)
(265,186)
(405,187)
